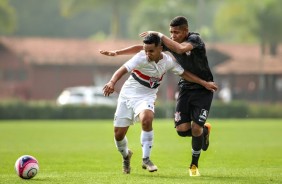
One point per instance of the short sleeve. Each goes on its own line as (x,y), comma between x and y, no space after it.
(135,61)
(177,69)
(196,41)
(174,67)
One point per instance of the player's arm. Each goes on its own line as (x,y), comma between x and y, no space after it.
(126,51)
(193,78)
(109,88)
(179,48)
(190,76)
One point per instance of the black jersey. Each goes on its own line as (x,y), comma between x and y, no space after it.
(194,61)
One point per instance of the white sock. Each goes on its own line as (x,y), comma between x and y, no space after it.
(122,146)
(146,139)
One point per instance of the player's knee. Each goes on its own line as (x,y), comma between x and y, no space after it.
(119,137)
(186,133)
(147,125)
(197,129)
(119,134)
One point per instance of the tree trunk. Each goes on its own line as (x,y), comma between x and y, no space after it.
(115,21)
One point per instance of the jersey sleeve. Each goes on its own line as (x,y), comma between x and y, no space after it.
(196,41)
(177,69)
(136,60)
(174,67)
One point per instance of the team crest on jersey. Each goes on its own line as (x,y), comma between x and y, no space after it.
(203,115)
(153,81)
(177,116)
(188,53)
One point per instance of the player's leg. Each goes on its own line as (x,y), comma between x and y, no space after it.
(122,121)
(201,101)
(121,140)
(122,146)
(147,133)
(184,129)
(147,137)
(200,114)
(197,141)
(182,118)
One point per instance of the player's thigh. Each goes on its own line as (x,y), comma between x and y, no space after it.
(144,112)
(123,115)
(182,113)
(201,106)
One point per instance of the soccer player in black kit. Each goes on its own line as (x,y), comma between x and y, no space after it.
(194,101)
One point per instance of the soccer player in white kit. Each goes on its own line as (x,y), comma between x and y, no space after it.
(138,94)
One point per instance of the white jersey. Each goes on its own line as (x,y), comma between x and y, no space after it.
(146,76)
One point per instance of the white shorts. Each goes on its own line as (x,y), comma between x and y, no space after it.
(128,110)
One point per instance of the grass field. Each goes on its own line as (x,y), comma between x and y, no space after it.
(80,151)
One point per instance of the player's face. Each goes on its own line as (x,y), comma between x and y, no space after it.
(153,52)
(178,34)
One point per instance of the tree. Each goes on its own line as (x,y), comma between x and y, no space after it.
(7,17)
(158,16)
(251,21)
(200,14)
(71,7)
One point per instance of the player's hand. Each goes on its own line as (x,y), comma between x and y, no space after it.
(148,32)
(108,88)
(108,53)
(211,86)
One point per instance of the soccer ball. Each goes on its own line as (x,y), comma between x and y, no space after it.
(26,167)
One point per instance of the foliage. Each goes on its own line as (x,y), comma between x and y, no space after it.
(7,17)
(43,18)
(49,110)
(249,21)
(71,7)
(157,15)
(265,111)
(79,151)
(236,109)
(75,6)
(224,20)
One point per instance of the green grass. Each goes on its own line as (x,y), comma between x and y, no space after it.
(79,151)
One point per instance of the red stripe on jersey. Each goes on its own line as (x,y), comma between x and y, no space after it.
(141,75)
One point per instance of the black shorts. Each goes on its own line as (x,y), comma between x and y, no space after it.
(193,105)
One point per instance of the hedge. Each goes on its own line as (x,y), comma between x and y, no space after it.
(49,110)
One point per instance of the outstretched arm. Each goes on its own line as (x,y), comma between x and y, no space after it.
(126,51)
(179,48)
(109,88)
(193,78)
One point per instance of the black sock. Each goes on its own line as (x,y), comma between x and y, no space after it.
(196,149)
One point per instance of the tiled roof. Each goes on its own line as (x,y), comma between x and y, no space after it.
(247,59)
(65,51)
(244,59)
(268,65)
